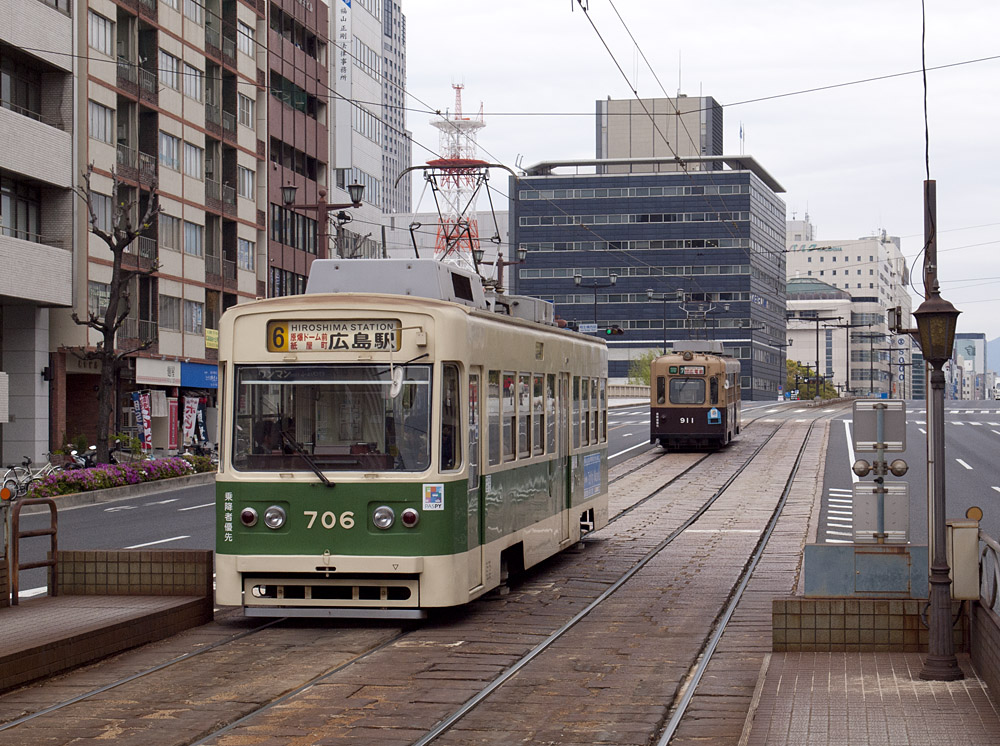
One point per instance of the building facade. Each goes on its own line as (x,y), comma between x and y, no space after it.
(396,147)
(816,335)
(37,207)
(873,272)
(707,243)
(970,359)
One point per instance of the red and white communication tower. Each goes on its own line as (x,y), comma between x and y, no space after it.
(456,179)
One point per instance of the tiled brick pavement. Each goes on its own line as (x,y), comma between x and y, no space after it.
(869,698)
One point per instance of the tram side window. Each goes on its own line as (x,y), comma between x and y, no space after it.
(585,410)
(537,416)
(714,390)
(604,410)
(595,428)
(507,413)
(451,412)
(576,412)
(493,410)
(687,390)
(661,390)
(524,415)
(550,413)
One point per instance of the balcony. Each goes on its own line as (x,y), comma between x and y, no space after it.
(148,10)
(147,168)
(213,269)
(128,76)
(136,332)
(126,162)
(229,273)
(141,254)
(229,125)
(228,200)
(229,51)
(213,119)
(213,195)
(213,41)
(149,90)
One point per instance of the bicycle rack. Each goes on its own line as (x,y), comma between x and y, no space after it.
(16,535)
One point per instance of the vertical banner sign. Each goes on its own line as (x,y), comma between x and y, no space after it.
(172,423)
(341,70)
(137,410)
(147,421)
(190,417)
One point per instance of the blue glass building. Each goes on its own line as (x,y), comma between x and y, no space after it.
(709,244)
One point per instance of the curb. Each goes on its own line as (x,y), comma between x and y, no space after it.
(94,497)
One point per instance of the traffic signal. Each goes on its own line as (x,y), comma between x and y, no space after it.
(614,329)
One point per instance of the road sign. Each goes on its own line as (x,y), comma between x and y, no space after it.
(866,424)
(587,328)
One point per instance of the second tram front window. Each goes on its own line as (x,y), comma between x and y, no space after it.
(338,417)
(687,391)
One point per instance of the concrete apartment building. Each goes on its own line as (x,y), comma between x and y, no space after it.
(38,41)
(969,382)
(873,272)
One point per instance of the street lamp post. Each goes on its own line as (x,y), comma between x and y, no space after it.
(595,286)
(936,322)
(679,295)
(500,263)
(323,210)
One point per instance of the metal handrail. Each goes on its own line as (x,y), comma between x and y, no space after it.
(15,540)
(989,572)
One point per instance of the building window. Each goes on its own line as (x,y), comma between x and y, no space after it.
(194,10)
(194,239)
(98,294)
(194,317)
(170,151)
(246,106)
(101,204)
(194,82)
(245,256)
(20,87)
(20,210)
(170,232)
(101,33)
(170,313)
(245,179)
(245,38)
(194,161)
(102,122)
(169,70)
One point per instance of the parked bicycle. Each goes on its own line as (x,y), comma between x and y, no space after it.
(20,479)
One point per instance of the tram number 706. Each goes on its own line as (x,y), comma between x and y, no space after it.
(329,519)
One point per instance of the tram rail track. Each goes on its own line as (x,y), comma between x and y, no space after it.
(367,654)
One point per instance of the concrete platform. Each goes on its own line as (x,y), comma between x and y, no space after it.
(45,636)
(868,698)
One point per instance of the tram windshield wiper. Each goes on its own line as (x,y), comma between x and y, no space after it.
(299,450)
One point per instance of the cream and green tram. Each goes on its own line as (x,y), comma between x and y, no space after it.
(395,440)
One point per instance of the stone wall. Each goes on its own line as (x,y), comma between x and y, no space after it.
(136,572)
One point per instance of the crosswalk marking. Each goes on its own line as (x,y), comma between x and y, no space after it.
(839,533)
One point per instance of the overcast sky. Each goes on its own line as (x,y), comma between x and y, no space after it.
(852,156)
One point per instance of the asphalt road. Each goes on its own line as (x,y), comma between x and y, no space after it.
(972,469)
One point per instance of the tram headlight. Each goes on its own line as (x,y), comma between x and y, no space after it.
(248,517)
(410,517)
(274,517)
(383,517)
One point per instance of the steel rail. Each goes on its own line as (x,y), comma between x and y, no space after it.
(446,724)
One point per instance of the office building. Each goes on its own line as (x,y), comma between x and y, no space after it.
(707,241)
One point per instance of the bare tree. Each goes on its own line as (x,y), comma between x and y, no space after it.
(122,231)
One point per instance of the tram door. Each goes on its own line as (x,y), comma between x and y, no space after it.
(474,497)
(566,477)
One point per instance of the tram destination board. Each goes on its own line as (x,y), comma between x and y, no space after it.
(333,335)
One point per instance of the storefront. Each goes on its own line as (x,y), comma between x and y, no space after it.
(172,404)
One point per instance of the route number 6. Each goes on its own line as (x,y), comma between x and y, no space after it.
(329,519)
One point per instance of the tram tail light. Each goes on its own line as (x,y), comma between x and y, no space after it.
(248,517)
(410,517)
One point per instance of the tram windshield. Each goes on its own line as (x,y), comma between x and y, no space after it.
(343,417)
(687,391)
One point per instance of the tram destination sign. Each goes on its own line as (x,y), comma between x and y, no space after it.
(333,335)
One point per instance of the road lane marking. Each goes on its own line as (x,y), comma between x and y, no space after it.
(976,424)
(995,431)
(995,488)
(964,464)
(161,541)
(850,451)
(838,541)
(922,430)
(628,449)
(195,507)
(164,502)
(839,533)
(957,423)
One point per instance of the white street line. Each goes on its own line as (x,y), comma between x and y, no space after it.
(798,411)
(957,423)
(32,592)
(840,512)
(837,541)
(771,411)
(970,411)
(922,430)
(976,424)
(997,489)
(995,424)
(628,449)
(964,464)
(195,507)
(921,422)
(831,524)
(161,541)
(839,533)
(995,431)
(164,502)
(850,451)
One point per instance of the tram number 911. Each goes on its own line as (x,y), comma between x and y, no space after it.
(687,420)
(328,519)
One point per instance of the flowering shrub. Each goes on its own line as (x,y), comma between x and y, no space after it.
(200,463)
(111,475)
